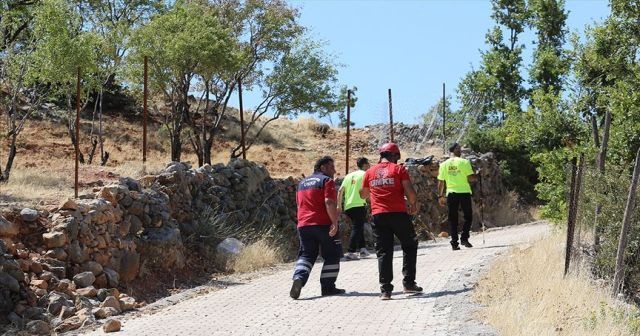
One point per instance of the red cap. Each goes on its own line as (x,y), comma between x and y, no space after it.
(390,147)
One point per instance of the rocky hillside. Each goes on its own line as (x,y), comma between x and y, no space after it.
(65,263)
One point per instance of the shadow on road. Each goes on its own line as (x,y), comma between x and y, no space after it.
(443,293)
(395,295)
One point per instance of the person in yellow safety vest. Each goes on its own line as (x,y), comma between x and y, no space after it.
(454,176)
(355,207)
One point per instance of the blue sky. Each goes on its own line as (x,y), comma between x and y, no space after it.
(410,47)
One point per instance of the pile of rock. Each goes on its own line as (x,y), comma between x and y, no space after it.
(406,136)
(61,269)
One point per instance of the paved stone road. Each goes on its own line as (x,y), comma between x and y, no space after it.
(263,306)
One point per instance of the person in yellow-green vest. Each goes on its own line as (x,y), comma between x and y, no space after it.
(454,189)
(354,207)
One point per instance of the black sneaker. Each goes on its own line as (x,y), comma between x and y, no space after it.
(296,287)
(385,296)
(412,289)
(455,246)
(466,243)
(333,291)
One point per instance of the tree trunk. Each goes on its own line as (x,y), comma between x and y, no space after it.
(104,156)
(176,146)
(626,226)
(12,154)
(208,145)
(600,161)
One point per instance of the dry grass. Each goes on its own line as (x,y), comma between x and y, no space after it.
(32,186)
(510,211)
(255,256)
(526,294)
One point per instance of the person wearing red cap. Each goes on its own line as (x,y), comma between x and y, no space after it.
(386,185)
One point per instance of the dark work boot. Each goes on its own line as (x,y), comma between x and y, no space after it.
(296,287)
(466,243)
(333,291)
(455,246)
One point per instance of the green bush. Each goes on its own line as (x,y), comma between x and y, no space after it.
(610,192)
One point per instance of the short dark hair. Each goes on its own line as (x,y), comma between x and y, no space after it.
(389,155)
(453,146)
(362,161)
(321,161)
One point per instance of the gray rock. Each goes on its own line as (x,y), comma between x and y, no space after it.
(230,246)
(57,253)
(28,215)
(102,294)
(68,225)
(9,282)
(55,301)
(77,254)
(92,267)
(130,183)
(112,277)
(8,229)
(84,279)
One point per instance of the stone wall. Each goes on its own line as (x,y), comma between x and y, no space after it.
(76,254)
(64,266)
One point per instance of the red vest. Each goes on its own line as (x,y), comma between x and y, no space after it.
(384,181)
(310,197)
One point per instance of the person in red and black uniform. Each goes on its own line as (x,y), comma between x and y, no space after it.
(317,229)
(387,184)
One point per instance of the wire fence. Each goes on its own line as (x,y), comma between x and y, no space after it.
(599,212)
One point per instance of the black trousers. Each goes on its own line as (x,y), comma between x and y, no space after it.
(456,201)
(385,227)
(313,240)
(358,216)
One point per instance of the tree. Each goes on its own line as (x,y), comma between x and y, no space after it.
(342,101)
(264,32)
(186,44)
(302,81)
(61,48)
(112,21)
(16,17)
(16,102)
(550,64)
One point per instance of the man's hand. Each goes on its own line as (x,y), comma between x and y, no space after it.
(413,209)
(333,229)
(442,201)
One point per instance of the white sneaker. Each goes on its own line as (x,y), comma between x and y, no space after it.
(364,252)
(351,256)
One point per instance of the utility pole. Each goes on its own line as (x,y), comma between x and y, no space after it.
(390,118)
(444,119)
(244,154)
(144,112)
(346,163)
(77,133)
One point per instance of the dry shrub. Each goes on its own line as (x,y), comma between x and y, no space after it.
(525,293)
(253,257)
(511,210)
(34,185)
(136,169)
